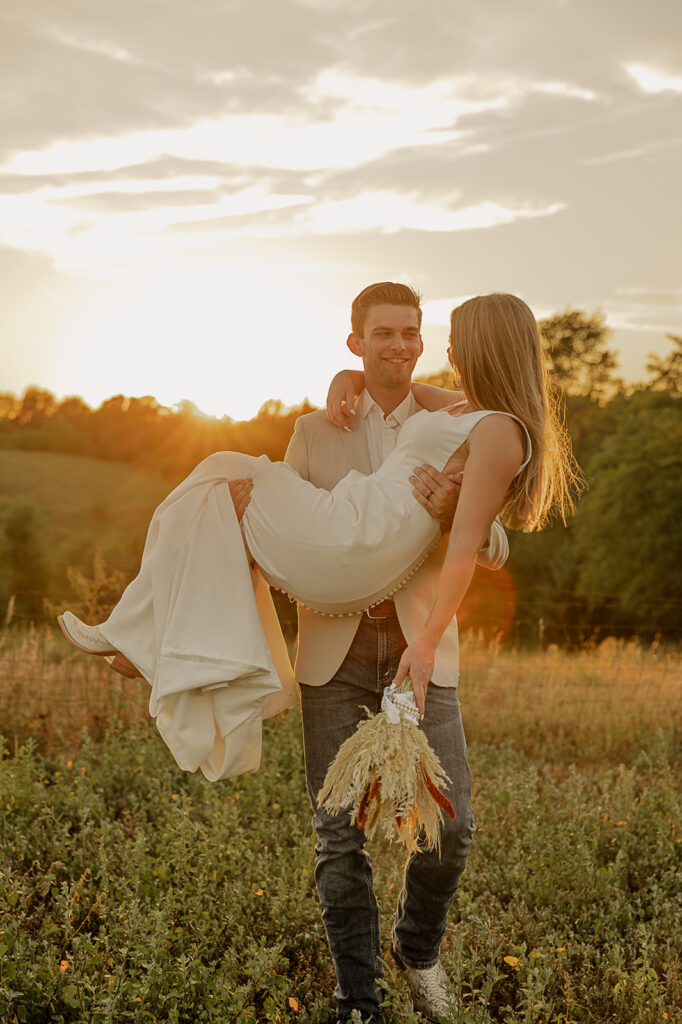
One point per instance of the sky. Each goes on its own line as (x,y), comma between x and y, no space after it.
(191,194)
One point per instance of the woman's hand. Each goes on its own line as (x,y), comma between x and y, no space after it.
(240,491)
(341,397)
(417,663)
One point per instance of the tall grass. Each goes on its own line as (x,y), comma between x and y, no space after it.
(130,891)
(604,704)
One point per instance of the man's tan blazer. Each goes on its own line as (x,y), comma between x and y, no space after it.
(324,454)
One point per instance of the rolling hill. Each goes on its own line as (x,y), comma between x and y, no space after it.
(79,505)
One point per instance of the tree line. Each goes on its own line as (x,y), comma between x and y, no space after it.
(615,567)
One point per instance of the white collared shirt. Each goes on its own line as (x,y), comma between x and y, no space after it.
(382,432)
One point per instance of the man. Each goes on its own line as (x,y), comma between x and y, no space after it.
(344,663)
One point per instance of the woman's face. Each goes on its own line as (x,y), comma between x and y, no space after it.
(457,380)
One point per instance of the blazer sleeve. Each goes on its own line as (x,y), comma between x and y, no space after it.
(495,551)
(297,454)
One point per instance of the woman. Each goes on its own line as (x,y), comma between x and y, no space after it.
(201,630)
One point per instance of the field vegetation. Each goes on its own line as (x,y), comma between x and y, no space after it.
(131,891)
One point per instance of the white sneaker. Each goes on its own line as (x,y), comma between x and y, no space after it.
(85,638)
(431,991)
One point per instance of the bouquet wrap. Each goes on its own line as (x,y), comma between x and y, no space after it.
(389,777)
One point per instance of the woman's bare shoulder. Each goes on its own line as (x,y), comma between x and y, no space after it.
(500,433)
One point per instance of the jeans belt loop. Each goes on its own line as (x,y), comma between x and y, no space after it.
(386,610)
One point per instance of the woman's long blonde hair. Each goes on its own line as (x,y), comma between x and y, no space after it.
(495,349)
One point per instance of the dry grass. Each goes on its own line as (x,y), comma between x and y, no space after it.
(601,705)
(52,695)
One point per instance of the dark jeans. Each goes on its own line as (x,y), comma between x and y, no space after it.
(342,871)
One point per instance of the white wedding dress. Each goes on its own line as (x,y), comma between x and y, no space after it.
(199,623)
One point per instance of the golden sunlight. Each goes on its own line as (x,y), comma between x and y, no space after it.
(224,337)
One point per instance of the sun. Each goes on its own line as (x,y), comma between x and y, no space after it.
(227,338)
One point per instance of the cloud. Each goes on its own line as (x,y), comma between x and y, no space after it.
(342,121)
(654,81)
(369,119)
(646,308)
(78,239)
(566,89)
(86,224)
(389,212)
(89,44)
(97,201)
(655,296)
(632,153)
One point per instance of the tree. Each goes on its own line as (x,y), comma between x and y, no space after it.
(73,410)
(575,346)
(24,560)
(666,373)
(628,540)
(9,405)
(36,406)
(440,379)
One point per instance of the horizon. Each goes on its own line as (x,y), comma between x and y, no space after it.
(196,410)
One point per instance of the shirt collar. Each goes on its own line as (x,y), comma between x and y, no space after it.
(399,414)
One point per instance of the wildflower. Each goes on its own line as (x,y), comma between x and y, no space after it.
(260,892)
(293,1004)
(69,764)
(63,966)
(511,960)
(174,796)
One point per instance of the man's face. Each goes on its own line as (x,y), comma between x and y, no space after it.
(390,345)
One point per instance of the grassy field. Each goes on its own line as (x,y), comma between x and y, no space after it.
(130,891)
(105,505)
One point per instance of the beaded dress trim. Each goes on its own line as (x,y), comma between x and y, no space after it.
(336,610)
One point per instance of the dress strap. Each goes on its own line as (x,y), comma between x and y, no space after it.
(479,414)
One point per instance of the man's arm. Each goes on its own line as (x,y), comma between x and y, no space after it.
(297,454)
(240,491)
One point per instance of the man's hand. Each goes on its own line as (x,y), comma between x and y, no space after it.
(437,493)
(240,491)
(417,663)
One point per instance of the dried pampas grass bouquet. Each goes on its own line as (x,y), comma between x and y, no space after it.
(389,776)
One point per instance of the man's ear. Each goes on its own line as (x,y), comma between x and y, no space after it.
(354,343)
(421,345)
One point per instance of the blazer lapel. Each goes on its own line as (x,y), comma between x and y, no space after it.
(355,445)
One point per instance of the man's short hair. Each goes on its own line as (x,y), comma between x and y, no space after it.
(385,293)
